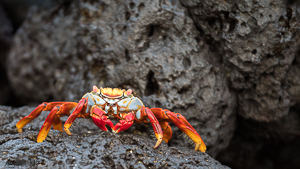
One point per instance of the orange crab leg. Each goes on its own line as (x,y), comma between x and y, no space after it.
(124,124)
(99,119)
(167,131)
(182,124)
(81,104)
(35,113)
(53,119)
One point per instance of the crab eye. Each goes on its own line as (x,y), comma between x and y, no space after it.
(128,92)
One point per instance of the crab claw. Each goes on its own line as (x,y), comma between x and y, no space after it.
(99,119)
(124,124)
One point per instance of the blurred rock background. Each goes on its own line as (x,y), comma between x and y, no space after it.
(231,68)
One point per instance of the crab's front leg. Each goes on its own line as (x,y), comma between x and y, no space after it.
(124,124)
(78,109)
(146,112)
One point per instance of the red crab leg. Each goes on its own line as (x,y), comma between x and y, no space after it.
(182,124)
(35,113)
(99,119)
(81,104)
(53,119)
(124,124)
(146,114)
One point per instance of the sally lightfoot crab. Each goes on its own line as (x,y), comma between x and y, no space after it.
(106,103)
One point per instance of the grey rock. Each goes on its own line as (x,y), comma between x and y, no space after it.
(258,46)
(152,47)
(93,149)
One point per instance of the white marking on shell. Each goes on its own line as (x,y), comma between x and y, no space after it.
(111,101)
(124,102)
(138,114)
(115,110)
(90,102)
(122,109)
(106,108)
(99,100)
(135,104)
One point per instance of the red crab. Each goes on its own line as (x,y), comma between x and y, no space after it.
(105,103)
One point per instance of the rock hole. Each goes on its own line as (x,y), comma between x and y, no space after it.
(232,25)
(254,51)
(157,104)
(186,63)
(94,151)
(281,19)
(91,157)
(261,15)
(211,22)
(108,161)
(244,25)
(183,90)
(151,30)
(226,15)
(127,15)
(147,60)
(280,99)
(270,16)
(131,5)
(152,86)
(141,7)
(137,15)
(127,57)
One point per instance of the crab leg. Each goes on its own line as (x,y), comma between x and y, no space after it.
(35,113)
(124,124)
(182,124)
(81,104)
(53,119)
(167,131)
(145,114)
(99,118)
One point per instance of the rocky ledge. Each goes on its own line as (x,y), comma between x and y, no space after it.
(88,147)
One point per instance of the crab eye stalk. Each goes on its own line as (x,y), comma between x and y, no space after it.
(128,92)
(96,89)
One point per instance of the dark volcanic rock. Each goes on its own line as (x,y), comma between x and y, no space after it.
(93,149)
(210,60)
(255,38)
(6,33)
(153,48)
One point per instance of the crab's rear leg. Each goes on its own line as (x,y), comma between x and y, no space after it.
(53,119)
(182,124)
(35,113)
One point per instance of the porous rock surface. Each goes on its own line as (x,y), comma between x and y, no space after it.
(150,46)
(259,41)
(87,148)
(210,60)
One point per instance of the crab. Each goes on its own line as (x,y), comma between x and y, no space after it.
(103,104)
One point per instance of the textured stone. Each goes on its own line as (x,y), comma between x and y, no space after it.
(257,42)
(91,149)
(151,47)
